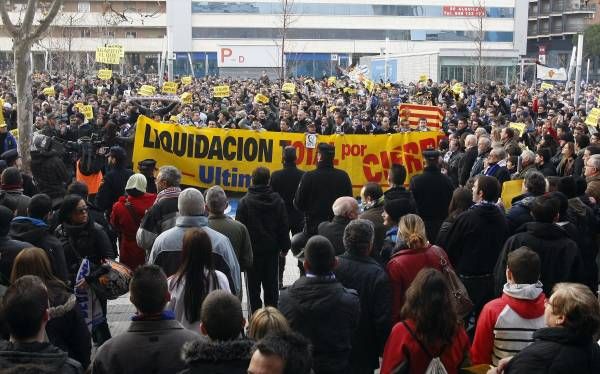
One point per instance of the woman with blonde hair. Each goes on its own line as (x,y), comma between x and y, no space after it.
(414,253)
(265,321)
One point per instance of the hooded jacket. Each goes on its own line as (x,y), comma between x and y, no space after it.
(264,214)
(217,357)
(35,358)
(49,173)
(37,232)
(560,258)
(326,313)
(520,212)
(506,324)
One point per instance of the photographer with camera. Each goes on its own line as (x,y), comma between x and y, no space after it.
(49,171)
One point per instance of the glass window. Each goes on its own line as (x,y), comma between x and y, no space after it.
(83,7)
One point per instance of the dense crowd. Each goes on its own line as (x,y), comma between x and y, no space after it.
(436,274)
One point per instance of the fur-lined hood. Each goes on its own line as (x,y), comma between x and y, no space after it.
(206,351)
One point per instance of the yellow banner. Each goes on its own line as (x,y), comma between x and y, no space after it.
(457,88)
(87,111)
(592,117)
(331,80)
(186,80)
(369,85)
(49,91)
(104,74)
(221,91)
(260,98)
(109,55)
(510,190)
(1,111)
(118,48)
(169,88)
(350,90)
(147,90)
(518,126)
(289,88)
(423,78)
(15,133)
(546,86)
(208,157)
(186,98)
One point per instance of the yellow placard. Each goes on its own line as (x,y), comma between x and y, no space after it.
(15,133)
(174,119)
(104,74)
(169,88)
(87,111)
(520,127)
(208,157)
(147,90)
(369,85)
(119,48)
(350,90)
(457,88)
(260,98)
(592,117)
(331,80)
(423,78)
(289,88)
(49,91)
(1,111)
(109,55)
(186,98)
(510,190)
(546,86)
(221,91)
(186,80)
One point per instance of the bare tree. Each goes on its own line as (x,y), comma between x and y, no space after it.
(287,18)
(24,34)
(479,40)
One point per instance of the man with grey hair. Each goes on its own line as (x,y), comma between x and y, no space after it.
(358,270)
(166,250)
(484,146)
(592,176)
(345,209)
(216,203)
(494,167)
(161,216)
(527,164)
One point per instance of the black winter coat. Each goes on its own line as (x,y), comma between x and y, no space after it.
(327,314)
(334,231)
(520,212)
(9,249)
(112,187)
(317,191)
(369,279)
(475,240)
(217,357)
(557,350)
(399,192)
(560,258)
(49,173)
(547,169)
(433,192)
(285,182)
(263,213)
(38,233)
(466,164)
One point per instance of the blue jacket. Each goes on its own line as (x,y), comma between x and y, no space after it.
(9,143)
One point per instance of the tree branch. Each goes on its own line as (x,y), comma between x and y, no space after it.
(45,23)
(28,19)
(10,27)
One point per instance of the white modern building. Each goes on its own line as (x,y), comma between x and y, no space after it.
(320,34)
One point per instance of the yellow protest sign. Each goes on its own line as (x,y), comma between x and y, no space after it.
(369,85)
(260,98)
(49,91)
(186,98)
(592,117)
(208,157)
(108,55)
(331,80)
(510,190)
(221,91)
(119,48)
(457,88)
(169,88)
(546,86)
(1,111)
(104,74)
(186,80)
(87,111)
(423,78)
(15,133)
(147,90)
(350,90)
(520,127)
(289,88)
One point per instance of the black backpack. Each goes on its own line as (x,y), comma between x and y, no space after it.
(90,162)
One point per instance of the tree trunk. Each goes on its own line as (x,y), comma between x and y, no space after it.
(22,59)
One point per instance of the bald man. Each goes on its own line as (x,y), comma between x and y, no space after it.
(345,209)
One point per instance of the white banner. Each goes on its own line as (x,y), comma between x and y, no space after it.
(248,56)
(551,74)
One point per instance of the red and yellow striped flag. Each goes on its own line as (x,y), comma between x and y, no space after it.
(414,112)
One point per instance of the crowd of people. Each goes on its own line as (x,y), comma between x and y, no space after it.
(380,274)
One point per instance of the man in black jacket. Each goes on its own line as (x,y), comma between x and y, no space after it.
(319,307)
(494,169)
(466,163)
(432,191)
(316,193)
(48,170)
(396,179)
(542,162)
(285,182)
(358,270)
(559,254)
(34,229)
(114,181)
(475,240)
(345,209)
(263,213)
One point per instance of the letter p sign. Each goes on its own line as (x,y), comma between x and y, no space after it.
(225,52)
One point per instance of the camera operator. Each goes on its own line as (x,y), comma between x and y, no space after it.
(114,181)
(48,169)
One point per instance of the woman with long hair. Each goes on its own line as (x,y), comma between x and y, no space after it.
(195,278)
(430,328)
(413,254)
(66,328)
(566,166)
(462,199)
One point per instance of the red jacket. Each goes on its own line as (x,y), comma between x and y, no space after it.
(121,219)
(401,344)
(506,326)
(404,266)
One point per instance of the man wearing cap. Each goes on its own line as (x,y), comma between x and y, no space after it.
(147,167)
(7,140)
(317,192)
(114,181)
(12,158)
(432,191)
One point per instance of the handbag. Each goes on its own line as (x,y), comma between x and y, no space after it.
(110,280)
(460,295)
